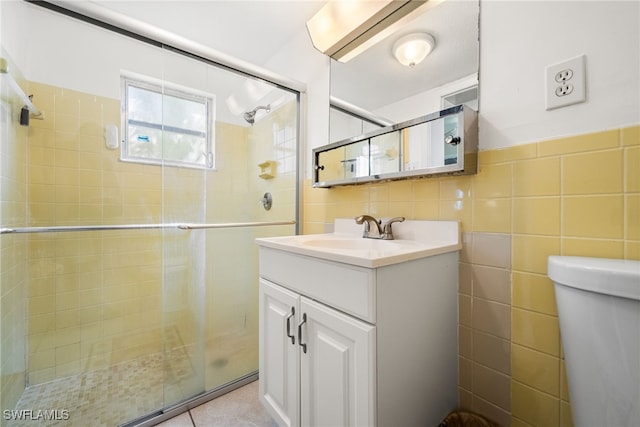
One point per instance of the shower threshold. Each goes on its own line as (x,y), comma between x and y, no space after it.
(160,416)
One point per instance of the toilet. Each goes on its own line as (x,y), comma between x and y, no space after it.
(599,311)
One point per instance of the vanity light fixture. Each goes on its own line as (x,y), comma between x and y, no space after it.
(343,29)
(413,48)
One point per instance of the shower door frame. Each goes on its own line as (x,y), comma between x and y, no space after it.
(131,27)
(125,25)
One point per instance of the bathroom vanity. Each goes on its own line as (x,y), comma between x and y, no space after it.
(360,332)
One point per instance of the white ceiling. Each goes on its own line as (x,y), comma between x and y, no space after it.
(255,30)
(251,30)
(453,24)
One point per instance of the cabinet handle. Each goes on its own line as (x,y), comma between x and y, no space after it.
(304,320)
(293,337)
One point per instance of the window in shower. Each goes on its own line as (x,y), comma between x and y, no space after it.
(166,124)
(285,149)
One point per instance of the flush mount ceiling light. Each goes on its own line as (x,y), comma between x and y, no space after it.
(413,48)
(344,28)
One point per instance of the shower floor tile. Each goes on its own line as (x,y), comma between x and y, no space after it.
(105,397)
(122,393)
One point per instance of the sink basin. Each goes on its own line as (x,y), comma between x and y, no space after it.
(414,239)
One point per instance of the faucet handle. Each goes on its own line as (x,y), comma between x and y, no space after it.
(388,233)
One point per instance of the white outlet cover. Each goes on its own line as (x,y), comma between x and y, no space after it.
(578,92)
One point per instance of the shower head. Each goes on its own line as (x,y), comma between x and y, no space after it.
(250,116)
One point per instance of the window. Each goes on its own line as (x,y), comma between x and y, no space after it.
(284,147)
(166,124)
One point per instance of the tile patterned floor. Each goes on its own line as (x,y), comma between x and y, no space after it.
(100,398)
(113,396)
(240,408)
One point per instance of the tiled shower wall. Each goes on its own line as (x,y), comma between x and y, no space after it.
(13,253)
(578,195)
(95,299)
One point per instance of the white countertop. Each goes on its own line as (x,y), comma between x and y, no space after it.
(413,240)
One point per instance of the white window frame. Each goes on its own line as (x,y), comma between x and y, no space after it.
(174,90)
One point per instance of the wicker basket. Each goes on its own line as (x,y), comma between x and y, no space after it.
(466,419)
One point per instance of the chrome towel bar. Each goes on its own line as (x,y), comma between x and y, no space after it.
(181,226)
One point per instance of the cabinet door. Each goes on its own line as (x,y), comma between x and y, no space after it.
(279,355)
(337,369)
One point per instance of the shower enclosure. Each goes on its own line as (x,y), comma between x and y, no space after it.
(128,213)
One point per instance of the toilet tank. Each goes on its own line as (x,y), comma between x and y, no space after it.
(599,312)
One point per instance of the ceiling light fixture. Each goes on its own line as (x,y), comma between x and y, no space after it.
(343,29)
(413,48)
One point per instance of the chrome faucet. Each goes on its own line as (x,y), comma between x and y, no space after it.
(367,220)
(384,231)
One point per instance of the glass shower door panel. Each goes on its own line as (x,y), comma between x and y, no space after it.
(183,201)
(182,314)
(128,338)
(252,160)
(231,312)
(122,312)
(94,331)
(183,289)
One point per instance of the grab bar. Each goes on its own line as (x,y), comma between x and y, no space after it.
(181,226)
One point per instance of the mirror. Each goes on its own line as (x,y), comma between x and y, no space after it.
(374,90)
(445,142)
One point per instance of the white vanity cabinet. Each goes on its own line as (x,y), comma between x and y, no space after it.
(353,345)
(317,372)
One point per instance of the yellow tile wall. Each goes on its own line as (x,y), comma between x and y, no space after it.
(100,298)
(93,296)
(274,137)
(90,291)
(578,195)
(13,248)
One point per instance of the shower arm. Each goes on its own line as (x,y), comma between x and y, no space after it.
(250,116)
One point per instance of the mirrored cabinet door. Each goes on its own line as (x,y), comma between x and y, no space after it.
(445,142)
(344,163)
(384,153)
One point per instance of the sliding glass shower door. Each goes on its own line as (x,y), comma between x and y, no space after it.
(128,216)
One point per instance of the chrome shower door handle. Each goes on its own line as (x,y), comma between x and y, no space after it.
(304,320)
(293,337)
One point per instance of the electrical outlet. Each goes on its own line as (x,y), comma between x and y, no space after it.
(565,83)
(564,89)
(564,75)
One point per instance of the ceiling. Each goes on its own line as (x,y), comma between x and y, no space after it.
(251,30)
(375,79)
(255,30)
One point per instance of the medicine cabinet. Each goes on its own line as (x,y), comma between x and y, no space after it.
(441,143)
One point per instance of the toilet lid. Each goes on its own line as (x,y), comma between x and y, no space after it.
(616,277)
